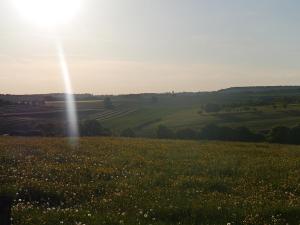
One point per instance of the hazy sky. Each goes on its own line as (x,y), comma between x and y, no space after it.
(130,46)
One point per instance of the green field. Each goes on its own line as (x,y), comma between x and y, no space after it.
(145,120)
(257,108)
(140,181)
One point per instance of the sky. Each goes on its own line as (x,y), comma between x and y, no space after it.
(138,46)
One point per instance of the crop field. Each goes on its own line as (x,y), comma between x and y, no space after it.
(21,115)
(145,120)
(260,112)
(144,181)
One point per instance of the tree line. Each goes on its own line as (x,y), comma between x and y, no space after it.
(211,132)
(279,134)
(285,135)
(88,128)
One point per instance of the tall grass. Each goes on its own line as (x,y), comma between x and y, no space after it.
(137,181)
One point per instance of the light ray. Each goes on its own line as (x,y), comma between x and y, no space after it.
(51,13)
(48,13)
(73,131)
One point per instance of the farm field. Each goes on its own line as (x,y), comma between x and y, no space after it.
(145,120)
(144,181)
(260,111)
(24,116)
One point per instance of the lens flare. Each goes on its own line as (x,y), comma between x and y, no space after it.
(48,13)
(73,131)
(51,13)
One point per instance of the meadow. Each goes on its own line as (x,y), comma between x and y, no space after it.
(144,181)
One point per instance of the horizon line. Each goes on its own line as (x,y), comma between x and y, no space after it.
(165,92)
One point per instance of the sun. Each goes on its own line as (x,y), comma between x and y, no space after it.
(48,13)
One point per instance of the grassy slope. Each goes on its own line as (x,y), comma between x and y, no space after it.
(178,117)
(137,181)
(178,112)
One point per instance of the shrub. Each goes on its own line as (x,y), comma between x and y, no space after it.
(294,135)
(209,132)
(93,128)
(279,135)
(213,132)
(186,134)
(164,132)
(244,134)
(50,129)
(128,133)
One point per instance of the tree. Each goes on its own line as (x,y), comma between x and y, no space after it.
(186,134)
(244,134)
(93,128)
(209,132)
(164,132)
(213,132)
(280,135)
(294,135)
(49,129)
(128,133)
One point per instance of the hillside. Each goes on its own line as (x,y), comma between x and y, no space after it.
(261,89)
(139,181)
(257,108)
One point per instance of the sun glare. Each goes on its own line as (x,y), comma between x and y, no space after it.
(48,13)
